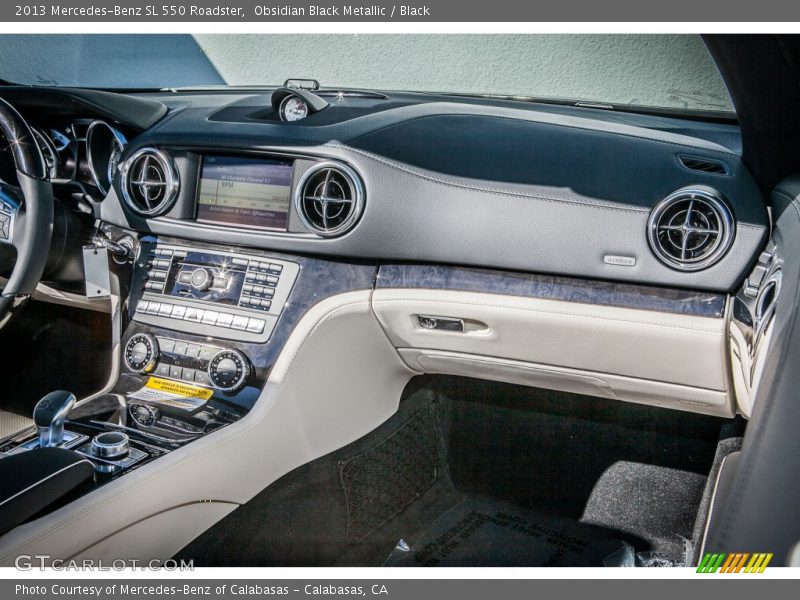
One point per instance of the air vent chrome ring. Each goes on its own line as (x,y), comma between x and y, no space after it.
(329,198)
(691,229)
(149,182)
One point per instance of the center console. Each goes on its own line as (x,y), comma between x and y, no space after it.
(195,355)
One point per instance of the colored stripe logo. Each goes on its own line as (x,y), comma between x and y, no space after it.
(737,562)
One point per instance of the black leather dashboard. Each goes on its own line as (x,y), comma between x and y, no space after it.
(488,184)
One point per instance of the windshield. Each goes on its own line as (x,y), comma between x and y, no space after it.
(662,71)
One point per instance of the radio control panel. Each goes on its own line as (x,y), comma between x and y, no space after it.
(207,292)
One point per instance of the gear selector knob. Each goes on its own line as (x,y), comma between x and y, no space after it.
(49,416)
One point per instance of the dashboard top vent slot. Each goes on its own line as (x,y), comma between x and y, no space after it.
(691,229)
(329,199)
(704,165)
(149,182)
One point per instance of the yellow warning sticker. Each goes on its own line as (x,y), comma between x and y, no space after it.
(181,389)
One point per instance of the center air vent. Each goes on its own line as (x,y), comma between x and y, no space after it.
(691,229)
(329,199)
(149,182)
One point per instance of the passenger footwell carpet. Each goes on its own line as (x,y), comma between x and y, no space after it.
(484,532)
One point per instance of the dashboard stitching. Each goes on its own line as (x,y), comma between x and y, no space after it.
(545,123)
(553,312)
(489,190)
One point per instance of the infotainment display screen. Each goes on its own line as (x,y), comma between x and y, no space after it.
(251,192)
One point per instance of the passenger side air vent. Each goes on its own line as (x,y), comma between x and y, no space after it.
(149,182)
(329,199)
(704,165)
(691,229)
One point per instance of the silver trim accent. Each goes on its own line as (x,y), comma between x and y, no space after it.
(170,183)
(282,108)
(724,234)
(120,141)
(356,198)
(241,381)
(155,353)
(113,449)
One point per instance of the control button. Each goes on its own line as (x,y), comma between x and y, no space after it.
(141,353)
(239,323)
(161,263)
(266,303)
(185,277)
(193,314)
(248,287)
(765,257)
(201,378)
(250,276)
(206,352)
(165,310)
(192,350)
(240,262)
(258,289)
(154,286)
(202,279)
(275,268)
(142,306)
(163,370)
(228,370)
(163,251)
(188,375)
(224,320)
(261,277)
(272,280)
(153,308)
(143,414)
(210,317)
(167,345)
(181,348)
(175,372)
(179,312)
(256,325)
(157,274)
(180,253)
(269,292)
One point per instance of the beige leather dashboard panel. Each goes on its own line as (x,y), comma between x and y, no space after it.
(626,353)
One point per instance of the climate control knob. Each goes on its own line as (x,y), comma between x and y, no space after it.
(229,370)
(141,353)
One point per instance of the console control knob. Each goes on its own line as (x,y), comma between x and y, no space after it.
(202,279)
(229,370)
(143,414)
(110,445)
(141,353)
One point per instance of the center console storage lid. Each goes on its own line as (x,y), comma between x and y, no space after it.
(35,479)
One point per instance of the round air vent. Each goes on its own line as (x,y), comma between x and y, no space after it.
(149,182)
(691,229)
(329,199)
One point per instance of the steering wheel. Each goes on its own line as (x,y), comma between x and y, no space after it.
(26,213)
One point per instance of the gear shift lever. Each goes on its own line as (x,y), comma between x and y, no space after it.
(49,416)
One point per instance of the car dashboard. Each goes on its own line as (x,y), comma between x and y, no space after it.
(612,254)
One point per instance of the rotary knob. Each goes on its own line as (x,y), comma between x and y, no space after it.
(229,370)
(141,353)
(201,279)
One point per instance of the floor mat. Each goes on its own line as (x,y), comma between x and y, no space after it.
(657,504)
(487,533)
